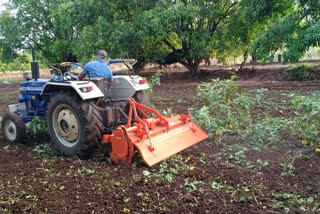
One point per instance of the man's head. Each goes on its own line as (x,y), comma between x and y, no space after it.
(102,55)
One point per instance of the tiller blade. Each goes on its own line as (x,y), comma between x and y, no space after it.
(156,138)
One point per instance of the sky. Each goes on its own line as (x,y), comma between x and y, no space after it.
(2,2)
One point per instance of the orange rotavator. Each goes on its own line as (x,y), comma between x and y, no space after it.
(155,138)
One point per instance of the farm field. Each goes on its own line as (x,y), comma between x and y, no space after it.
(227,173)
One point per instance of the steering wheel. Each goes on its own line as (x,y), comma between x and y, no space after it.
(70,76)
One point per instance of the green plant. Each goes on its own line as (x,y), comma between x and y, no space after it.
(85,171)
(216,114)
(169,171)
(216,185)
(300,72)
(265,130)
(289,202)
(261,163)
(225,111)
(287,169)
(6,148)
(307,117)
(44,151)
(154,80)
(38,129)
(167,112)
(191,186)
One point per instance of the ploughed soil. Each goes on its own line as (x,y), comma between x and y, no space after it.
(219,175)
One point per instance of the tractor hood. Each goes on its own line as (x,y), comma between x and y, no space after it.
(32,87)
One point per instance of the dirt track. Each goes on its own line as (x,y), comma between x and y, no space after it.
(34,179)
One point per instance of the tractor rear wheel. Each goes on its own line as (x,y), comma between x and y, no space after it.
(75,126)
(13,128)
(142,98)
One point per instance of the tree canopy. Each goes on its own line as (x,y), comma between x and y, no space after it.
(294,33)
(151,30)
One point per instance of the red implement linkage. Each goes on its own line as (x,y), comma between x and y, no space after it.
(156,138)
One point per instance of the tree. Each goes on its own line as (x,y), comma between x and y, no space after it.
(22,62)
(245,25)
(48,25)
(295,33)
(187,28)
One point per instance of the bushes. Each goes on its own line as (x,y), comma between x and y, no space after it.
(307,118)
(227,111)
(300,72)
(38,130)
(154,80)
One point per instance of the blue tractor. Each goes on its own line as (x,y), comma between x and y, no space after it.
(78,113)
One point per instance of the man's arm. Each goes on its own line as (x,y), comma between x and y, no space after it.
(81,76)
(109,74)
(84,72)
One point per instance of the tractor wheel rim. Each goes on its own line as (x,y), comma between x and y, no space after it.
(10,130)
(66,125)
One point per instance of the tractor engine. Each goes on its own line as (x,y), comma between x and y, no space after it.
(31,103)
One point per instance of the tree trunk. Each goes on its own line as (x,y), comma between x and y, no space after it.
(245,57)
(193,67)
(195,70)
(207,61)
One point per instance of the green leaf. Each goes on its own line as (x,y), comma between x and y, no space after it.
(146,173)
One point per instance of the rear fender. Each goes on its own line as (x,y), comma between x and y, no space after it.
(77,86)
(124,87)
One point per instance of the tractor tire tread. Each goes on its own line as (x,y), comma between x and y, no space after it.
(90,124)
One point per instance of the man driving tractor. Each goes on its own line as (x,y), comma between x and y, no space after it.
(98,68)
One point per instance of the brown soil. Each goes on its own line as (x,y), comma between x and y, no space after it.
(35,179)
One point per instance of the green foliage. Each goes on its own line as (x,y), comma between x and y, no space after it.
(216,96)
(307,119)
(191,186)
(149,30)
(47,25)
(300,72)
(38,129)
(84,171)
(286,200)
(167,112)
(268,129)
(20,63)
(287,169)
(295,33)
(186,27)
(225,111)
(244,26)
(154,80)
(168,171)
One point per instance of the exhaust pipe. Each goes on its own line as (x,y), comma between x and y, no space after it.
(34,66)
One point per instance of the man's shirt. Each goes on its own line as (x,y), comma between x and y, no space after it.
(98,69)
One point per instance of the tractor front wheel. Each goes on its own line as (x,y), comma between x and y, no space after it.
(75,126)
(13,128)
